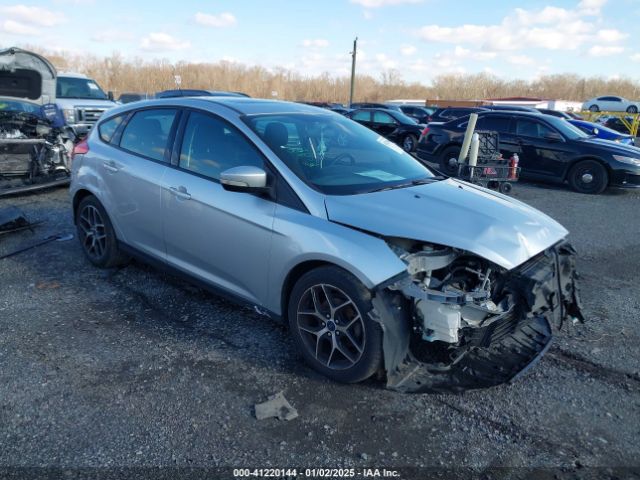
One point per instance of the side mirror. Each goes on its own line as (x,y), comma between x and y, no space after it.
(244,179)
(110,95)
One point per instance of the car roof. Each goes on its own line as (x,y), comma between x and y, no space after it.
(242,105)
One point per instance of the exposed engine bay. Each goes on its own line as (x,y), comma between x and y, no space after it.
(472,324)
(33,153)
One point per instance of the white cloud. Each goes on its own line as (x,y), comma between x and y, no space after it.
(367,14)
(315,43)
(591,7)
(382,3)
(605,50)
(162,42)
(610,35)
(32,15)
(17,28)
(222,20)
(408,50)
(550,28)
(385,62)
(635,57)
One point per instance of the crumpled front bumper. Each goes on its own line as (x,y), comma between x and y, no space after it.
(547,292)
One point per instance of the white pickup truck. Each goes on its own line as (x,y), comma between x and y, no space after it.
(82,101)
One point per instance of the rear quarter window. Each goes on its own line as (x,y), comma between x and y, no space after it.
(147,133)
(107,129)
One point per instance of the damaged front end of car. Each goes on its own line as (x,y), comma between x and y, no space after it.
(35,143)
(33,153)
(455,321)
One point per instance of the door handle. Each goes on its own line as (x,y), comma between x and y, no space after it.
(110,166)
(180,192)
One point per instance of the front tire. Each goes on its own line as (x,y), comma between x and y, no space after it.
(588,176)
(96,234)
(328,314)
(409,143)
(594,108)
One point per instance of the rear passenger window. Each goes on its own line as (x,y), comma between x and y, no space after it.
(494,124)
(108,128)
(147,133)
(362,116)
(210,146)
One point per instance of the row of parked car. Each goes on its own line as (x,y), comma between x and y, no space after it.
(553,146)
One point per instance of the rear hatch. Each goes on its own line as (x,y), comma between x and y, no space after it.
(27,76)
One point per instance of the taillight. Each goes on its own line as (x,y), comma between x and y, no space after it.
(80,149)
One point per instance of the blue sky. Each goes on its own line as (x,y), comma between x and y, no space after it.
(418,38)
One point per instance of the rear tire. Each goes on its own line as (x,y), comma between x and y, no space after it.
(328,315)
(96,234)
(588,176)
(594,108)
(409,143)
(447,155)
(632,109)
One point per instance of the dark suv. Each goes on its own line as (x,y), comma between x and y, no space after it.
(449,113)
(550,149)
(420,114)
(392,125)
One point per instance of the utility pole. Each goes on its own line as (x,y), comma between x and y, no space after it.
(353,70)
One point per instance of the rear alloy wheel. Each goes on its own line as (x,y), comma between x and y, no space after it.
(96,234)
(328,315)
(632,109)
(588,176)
(594,108)
(409,143)
(449,161)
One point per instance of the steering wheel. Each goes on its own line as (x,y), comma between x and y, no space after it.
(340,158)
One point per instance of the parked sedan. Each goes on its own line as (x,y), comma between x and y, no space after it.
(391,124)
(550,149)
(378,265)
(600,131)
(611,104)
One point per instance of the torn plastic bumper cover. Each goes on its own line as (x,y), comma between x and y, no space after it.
(544,293)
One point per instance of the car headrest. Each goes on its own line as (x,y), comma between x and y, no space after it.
(276,135)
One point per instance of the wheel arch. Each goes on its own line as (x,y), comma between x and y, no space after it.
(78,196)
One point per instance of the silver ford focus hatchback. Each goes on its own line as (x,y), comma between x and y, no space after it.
(378,264)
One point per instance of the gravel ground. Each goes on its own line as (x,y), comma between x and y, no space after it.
(133,367)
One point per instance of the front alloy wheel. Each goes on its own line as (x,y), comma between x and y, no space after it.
(328,315)
(331,326)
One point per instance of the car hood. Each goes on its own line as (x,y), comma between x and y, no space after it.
(452,213)
(614,148)
(27,76)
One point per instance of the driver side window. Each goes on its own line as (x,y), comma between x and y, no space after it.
(211,146)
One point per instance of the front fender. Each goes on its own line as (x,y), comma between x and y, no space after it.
(299,237)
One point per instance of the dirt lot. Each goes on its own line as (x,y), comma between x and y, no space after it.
(132,367)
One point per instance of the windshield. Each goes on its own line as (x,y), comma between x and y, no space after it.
(18,106)
(335,155)
(71,87)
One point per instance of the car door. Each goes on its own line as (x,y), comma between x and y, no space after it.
(218,236)
(385,125)
(132,175)
(544,151)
